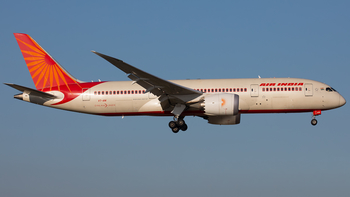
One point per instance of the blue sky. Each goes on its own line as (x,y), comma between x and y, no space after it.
(48,152)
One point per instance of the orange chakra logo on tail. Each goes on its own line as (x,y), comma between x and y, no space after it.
(46,73)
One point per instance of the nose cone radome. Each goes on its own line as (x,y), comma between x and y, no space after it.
(342,100)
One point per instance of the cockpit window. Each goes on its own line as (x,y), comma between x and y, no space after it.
(330,89)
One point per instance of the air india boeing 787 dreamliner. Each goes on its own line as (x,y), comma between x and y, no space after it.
(220,101)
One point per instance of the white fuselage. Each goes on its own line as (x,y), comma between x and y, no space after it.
(261,95)
(220,101)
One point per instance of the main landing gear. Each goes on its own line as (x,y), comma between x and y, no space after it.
(177,125)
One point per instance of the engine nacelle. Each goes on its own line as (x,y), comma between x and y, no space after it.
(225,120)
(221,104)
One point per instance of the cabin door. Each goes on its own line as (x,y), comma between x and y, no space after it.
(308,89)
(86,94)
(254,90)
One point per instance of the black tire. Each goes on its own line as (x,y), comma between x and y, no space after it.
(172,124)
(180,123)
(175,129)
(184,127)
(314,122)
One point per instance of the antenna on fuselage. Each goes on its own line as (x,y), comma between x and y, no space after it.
(259,76)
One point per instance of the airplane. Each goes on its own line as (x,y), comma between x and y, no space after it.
(219,101)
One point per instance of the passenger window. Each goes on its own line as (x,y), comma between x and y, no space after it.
(262,89)
(98,92)
(245,89)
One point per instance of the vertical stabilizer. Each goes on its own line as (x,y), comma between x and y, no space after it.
(46,73)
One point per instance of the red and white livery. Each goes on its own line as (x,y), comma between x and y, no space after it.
(220,101)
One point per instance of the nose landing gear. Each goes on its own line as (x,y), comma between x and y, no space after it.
(315,113)
(177,125)
(314,121)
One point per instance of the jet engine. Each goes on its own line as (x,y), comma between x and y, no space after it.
(221,104)
(222,108)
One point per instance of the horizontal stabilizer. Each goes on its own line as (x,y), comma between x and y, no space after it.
(31,91)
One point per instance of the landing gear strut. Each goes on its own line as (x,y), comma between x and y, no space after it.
(177,125)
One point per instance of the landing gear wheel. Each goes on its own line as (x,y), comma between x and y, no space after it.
(172,124)
(180,123)
(184,127)
(175,129)
(314,122)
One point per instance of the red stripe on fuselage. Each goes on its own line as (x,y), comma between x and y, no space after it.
(153,113)
(74,92)
(275,111)
(201,113)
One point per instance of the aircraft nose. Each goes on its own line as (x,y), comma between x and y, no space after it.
(342,100)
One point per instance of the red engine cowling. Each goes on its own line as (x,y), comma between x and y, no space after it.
(221,104)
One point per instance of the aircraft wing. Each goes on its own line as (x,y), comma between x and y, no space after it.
(153,84)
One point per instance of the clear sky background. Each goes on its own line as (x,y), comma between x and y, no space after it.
(48,152)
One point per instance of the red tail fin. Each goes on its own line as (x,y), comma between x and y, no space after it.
(46,73)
